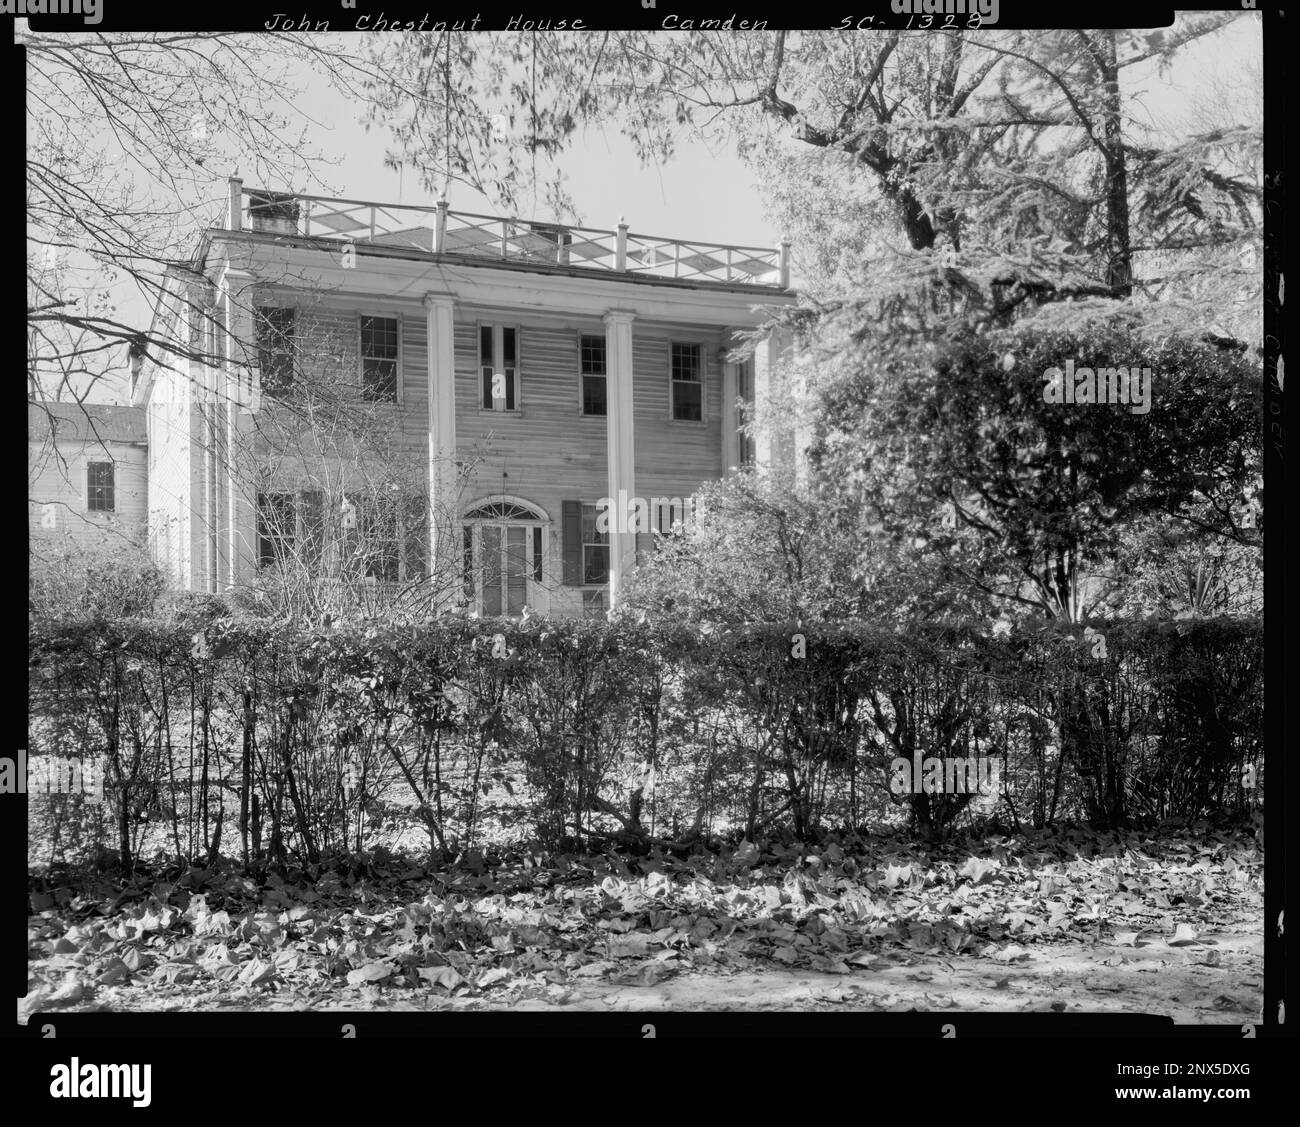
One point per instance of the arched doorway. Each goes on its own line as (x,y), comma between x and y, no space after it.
(504,542)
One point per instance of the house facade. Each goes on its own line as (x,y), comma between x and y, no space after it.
(86,474)
(411,397)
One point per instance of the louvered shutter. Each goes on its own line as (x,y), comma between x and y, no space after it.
(572,550)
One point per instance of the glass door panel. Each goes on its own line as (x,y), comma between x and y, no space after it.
(516,569)
(492,600)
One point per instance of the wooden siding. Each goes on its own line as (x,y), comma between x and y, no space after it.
(169,491)
(545,453)
(56,485)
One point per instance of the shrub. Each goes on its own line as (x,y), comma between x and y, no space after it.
(303,742)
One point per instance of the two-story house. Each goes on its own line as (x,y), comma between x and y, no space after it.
(86,466)
(459,392)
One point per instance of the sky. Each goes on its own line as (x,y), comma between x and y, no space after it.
(701,194)
(711,195)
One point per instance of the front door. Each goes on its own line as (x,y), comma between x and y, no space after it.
(503,565)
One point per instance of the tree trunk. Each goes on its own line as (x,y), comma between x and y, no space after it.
(246,779)
(300,814)
(1119,255)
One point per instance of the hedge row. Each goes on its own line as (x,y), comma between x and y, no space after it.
(261,739)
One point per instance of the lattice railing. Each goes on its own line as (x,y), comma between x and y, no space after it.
(439,230)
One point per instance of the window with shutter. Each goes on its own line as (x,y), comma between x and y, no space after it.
(595,548)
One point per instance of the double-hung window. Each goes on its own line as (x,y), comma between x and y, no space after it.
(595,548)
(100,492)
(586,548)
(379,347)
(277,528)
(498,358)
(275,340)
(377,540)
(687,382)
(592,374)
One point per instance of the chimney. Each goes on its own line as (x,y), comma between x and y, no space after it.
(273,212)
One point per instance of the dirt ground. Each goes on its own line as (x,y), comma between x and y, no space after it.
(1219,980)
(1067,923)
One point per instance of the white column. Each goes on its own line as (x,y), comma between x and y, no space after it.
(622,462)
(207,421)
(730,417)
(442,432)
(241,548)
(236,380)
(773,432)
(211,510)
(239,503)
(240,345)
(803,431)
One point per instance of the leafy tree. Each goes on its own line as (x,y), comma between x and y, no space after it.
(130,138)
(953,449)
(1017,151)
(767,548)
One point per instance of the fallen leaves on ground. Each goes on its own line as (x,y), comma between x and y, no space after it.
(535,925)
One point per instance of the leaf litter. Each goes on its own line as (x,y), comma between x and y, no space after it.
(1009,922)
